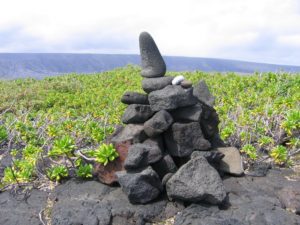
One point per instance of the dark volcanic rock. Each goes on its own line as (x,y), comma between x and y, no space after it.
(289,197)
(210,156)
(131,97)
(107,174)
(137,113)
(171,97)
(258,169)
(164,166)
(201,91)
(209,122)
(154,84)
(19,208)
(140,186)
(183,138)
(153,64)
(142,155)
(131,132)
(196,181)
(190,113)
(159,123)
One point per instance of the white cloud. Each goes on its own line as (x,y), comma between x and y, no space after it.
(207,28)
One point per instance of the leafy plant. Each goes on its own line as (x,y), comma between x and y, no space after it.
(63,146)
(56,173)
(104,154)
(279,154)
(250,150)
(3,133)
(85,171)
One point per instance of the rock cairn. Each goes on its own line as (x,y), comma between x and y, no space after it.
(172,138)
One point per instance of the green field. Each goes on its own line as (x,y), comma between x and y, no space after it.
(44,122)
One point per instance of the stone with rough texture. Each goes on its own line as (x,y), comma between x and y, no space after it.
(131,132)
(154,84)
(186,84)
(131,97)
(183,138)
(166,178)
(209,122)
(185,114)
(137,113)
(142,155)
(153,64)
(140,186)
(232,162)
(107,174)
(164,166)
(211,156)
(203,94)
(196,181)
(171,97)
(289,197)
(157,124)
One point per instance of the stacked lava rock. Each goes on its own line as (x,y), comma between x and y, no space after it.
(173,136)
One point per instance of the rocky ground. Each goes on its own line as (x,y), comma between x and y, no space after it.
(272,199)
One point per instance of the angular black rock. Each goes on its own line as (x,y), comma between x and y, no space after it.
(140,186)
(183,138)
(137,113)
(131,132)
(153,64)
(209,122)
(190,113)
(143,154)
(165,165)
(154,84)
(157,124)
(201,91)
(210,156)
(196,181)
(131,97)
(171,97)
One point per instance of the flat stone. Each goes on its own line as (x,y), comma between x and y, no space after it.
(140,186)
(137,113)
(154,84)
(164,166)
(107,174)
(134,133)
(209,122)
(183,138)
(131,97)
(196,181)
(186,84)
(142,155)
(232,161)
(157,124)
(171,97)
(203,94)
(185,114)
(153,64)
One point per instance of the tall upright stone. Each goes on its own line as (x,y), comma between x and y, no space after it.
(153,64)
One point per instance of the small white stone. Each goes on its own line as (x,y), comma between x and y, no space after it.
(177,80)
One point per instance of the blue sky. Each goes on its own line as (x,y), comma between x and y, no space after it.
(252,30)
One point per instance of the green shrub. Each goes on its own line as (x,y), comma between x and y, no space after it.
(56,173)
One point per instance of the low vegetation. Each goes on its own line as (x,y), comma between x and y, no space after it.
(49,127)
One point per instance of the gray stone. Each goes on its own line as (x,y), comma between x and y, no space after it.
(137,113)
(171,97)
(140,186)
(211,156)
(164,166)
(159,123)
(153,64)
(131,97)
(201,91)
(154,84)
(142,155)
(196,181)
(190,113)
(232,161)
(133,133)
(209,122)
(289,197)
(183,138)
(166,178)
(186,84)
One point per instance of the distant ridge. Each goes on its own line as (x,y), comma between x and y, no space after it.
(39,65)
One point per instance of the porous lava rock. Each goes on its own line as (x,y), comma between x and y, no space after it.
(137,113)
(154,84)
(157,124)
(131,97)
